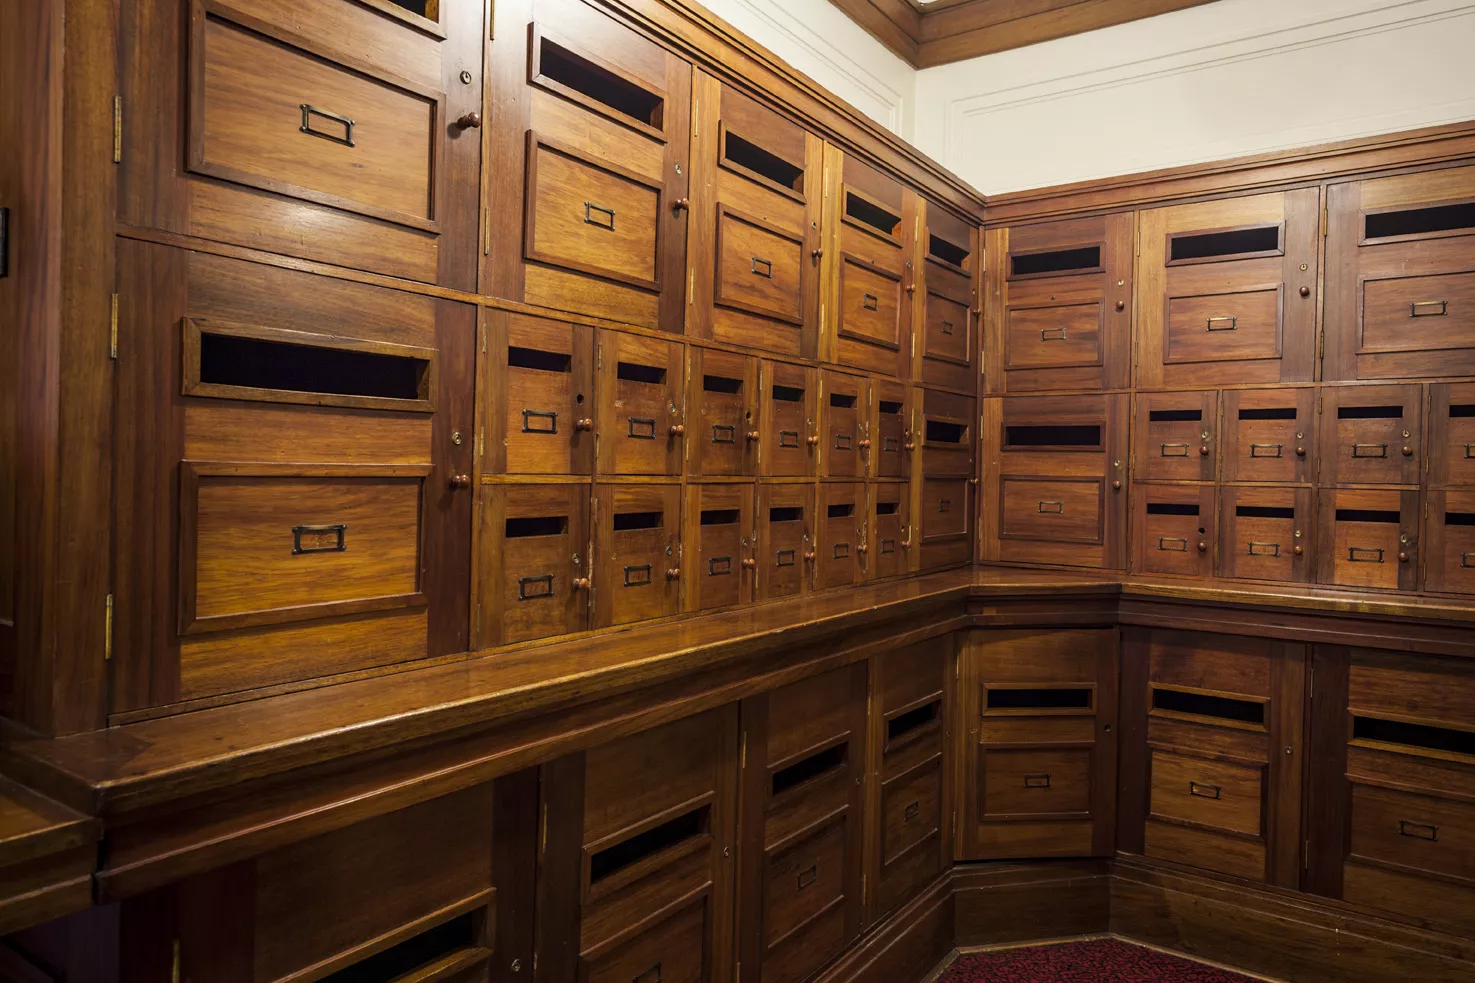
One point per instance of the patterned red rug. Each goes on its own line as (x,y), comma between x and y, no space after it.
(1096,961)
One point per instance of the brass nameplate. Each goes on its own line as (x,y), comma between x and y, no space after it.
(1264,549)
(785,558)
(532,588)
(539,421)
(603,218)
(1362,554)
(1369,450)
(892,444)
(788,438)
(1172,544)
(871,302)
(637,576)
(841,551)
(319,539)
(1174,450)
(719,566)
(1036,781)
(642,428)
(843,441)
(1264,450)
(724,433)
(889,546)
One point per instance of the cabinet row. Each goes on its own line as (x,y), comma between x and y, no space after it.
(620,181)
(1227,291)
(563,558)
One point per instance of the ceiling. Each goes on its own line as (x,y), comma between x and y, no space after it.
(936,32)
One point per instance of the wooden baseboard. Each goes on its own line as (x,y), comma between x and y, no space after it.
(1020,902)
(904,946)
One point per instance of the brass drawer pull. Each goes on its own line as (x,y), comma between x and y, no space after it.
(539,421)
(1369,450)
(1264,549)
(1036,781)
(889,546)
(1264,450)
(724,433)
(652,975)
(766,270)
(788,438)
(1419,831)
(1223,323)
(841,551)
(844,441)
(785,558)
(912,811)
(1052,334)
(638,576)
(1051,508)
(319,539)
(308,112)
(719,566)
(642,428)
(532,588)
(871,302)
(1363,554)
(1173,450)
(1172,544)
(1467,560)
(1205,791)
(1429,308)
(947,327)
(599,217)
(808,877)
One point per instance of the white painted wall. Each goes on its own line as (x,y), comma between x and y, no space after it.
(815,37)
(1222,80)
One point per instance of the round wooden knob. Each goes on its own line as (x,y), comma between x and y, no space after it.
(1203,450)
(1402,557)
(673,574)
(584,424)
(471,121)
(752,435)
(865,443)
(1121,305)
(680,204)
(1300,452)
(813,440)
(460,481)
(750,563)
(817,254)
(1203,547)
(582,583)
(677,430)
(1408,451)
(1305,291)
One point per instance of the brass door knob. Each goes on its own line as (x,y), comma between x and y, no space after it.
(1300,452)
(582,583)
(1408,452)
(673,574)
(1203,450)
(460,481)
(861,548)
(1298,550)
(680,204)
(817,255)
(584,424)
(865,443)
(906,544)
(471,121)
(753,435)
(1402,557)
(813,440)
(1305,291)
(1116,486)
(1203,547)
(808,557)
(677,430)
(911,288)
(750,563)
(910,446)
(1121,305)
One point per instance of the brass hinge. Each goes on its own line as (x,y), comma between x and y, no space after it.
(1311,694)
(1325,221)
(1321,345)
(492,20)
(483,339)
(599,357)
(696,118)
(1306,854)
(743,752)
(543,831)
(107,634)
(486,231)
(174,969)
(113,329)
(481,444)
(117,129)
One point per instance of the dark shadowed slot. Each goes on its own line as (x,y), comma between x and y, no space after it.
(888,407)
(1039,699)
(1420,221)
(1263,512)
(1368,515)
(1056,261)
(1279,413)
(1459,518)
(913,720)
(642,845)
(634,372)
(1175,416)
(787,513)
(1078,435)
(721,384)
(537,525)
(754,158)
(839,511)
(720,517)
(533,358)
(1214,245)
(412,953)
(425,8)
(226,360)
(1369,412)
(942,432)
(599,84)
(842,400)
(809,768)
(626,521)
(1171,508)
(1413,735)
(1202,705)
(948,252)
(788,394)
(888,508)
(875,216)
(1461,410)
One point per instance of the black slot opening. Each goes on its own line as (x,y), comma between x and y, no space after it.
(642,845)
(1420,221)
(753,157)
(840,511)
(1368,515)
(625,521)
(785,513)
(904,723)
(1175,416)
(1413,735)
(226,360)
(720,517)
(1171,508)
(887,406)
(1078,435)
(425,8)
(1263,512)
(888,508)
(866,213)
(721,384)
(942,432)
(842,400)
(1213,245)
(1056,261)
(1369,412)
(1039,699)
(1461,410)
(533,358)
(948,252)
(412,953)
(809,768)
(537,525)
(651,375)
(788,394)
(599,84)
(1279,413)
(1198,704)
(1459,518)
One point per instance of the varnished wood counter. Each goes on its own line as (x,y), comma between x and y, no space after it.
(46,857)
